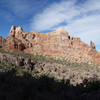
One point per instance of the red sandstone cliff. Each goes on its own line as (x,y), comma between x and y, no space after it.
(56,44)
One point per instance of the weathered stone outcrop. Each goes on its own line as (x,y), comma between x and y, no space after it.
(2,41)
(92,45)
(18,33)
(13,45)
(8,59)
(15,31)
(58,44)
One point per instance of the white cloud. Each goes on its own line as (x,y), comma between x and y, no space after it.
(91,5)
(81,19)
(22,8)
(54,15)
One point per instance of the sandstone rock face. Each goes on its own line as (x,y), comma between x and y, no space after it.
(61,31)
(23,37)
(58,44)
(15,30)
(13,45)
(92,44)
(2,41)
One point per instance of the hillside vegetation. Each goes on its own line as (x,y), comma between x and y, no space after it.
(28,77)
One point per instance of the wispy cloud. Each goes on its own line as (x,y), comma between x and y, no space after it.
(22,8)
(54,15)
(80,19)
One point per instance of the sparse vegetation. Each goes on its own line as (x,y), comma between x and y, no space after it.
(27,87)
(49,79)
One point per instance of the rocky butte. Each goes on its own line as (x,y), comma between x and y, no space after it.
(58,44)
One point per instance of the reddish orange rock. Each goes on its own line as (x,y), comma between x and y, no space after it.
(58,44)
(92,44)
(2,41)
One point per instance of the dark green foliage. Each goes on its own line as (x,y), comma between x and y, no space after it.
(26,87)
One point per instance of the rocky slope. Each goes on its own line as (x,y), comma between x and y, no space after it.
(58,44)
(40,65)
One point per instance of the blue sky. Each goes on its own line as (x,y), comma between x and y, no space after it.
(79,17)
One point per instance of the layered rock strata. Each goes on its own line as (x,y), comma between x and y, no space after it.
(57,44)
